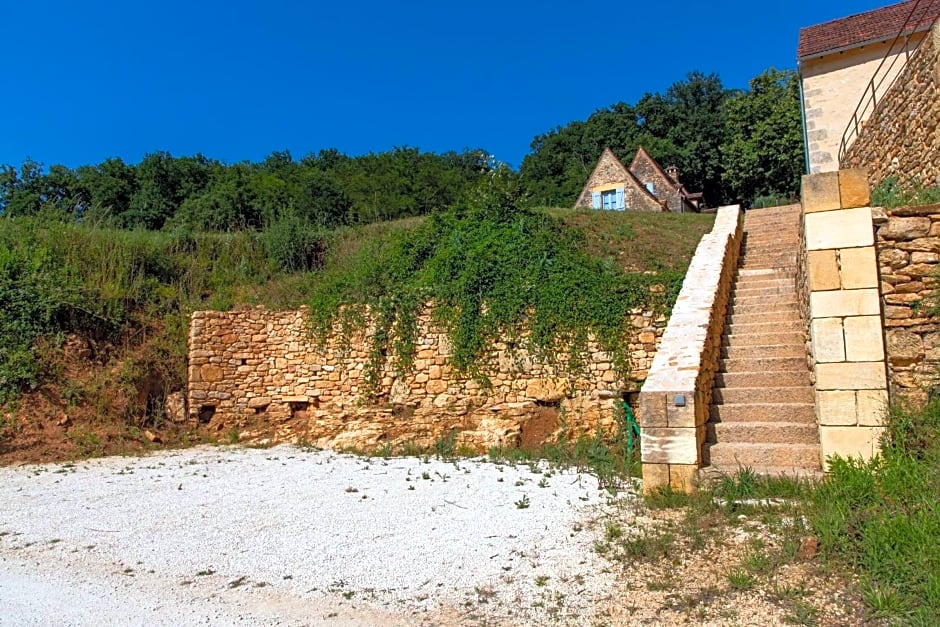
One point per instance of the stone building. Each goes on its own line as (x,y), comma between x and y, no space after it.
(644,186)
(842,60)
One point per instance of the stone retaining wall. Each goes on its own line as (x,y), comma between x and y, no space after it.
(675,398)
(902,136)
(260,373)
(908,240)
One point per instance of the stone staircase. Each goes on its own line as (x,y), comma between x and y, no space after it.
(763,412)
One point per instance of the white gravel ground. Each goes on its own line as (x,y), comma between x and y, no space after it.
(288,536)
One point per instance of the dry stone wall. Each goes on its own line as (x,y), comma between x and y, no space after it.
(908,240)
(902,136)
(262,374)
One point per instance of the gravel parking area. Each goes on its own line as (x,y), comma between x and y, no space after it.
(290,536)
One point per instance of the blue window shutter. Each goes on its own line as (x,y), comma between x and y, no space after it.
(619,198)
(596,200)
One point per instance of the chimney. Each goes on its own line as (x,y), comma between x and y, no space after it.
(673,173)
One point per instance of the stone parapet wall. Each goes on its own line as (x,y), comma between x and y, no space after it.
(908,241)
(261,373)
(673,405)
(901,138)
(845,321)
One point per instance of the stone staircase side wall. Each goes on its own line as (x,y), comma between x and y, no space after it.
(908,241)
(845,322)
(902,136)
(674,401)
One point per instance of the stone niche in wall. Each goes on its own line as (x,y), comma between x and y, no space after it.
(261,373)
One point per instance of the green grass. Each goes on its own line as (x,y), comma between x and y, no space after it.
(890,193)
(638,241)
(882,517)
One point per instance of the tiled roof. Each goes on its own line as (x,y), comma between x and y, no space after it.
(856,30)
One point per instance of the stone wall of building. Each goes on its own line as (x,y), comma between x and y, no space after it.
(908,240)
(610,173)
(648,172)
(262,374)
(902,136)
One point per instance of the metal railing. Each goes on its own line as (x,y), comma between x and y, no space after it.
(901,46)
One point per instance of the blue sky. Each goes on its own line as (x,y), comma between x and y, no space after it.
(236,80)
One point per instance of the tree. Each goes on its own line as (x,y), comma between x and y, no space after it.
(763,152)
(688,124)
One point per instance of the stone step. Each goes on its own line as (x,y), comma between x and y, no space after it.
(769,378)
(776,260)
(765,281)
(786,265)
(785,315)
(750,251)
(785,288)
(753,254)
(753,283)
(766,308)
(755,352)
(734,396)
(766,273)
(763,364)
(775,326)
(771,242)
(762,432)
(762,224)
(791,338)
(764,412)
(728,455)
(713,473)
(779,299)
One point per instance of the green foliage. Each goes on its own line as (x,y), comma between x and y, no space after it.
(890,193)
(200,194)
(293,244)
(493,271)
(762,153)
(882,517)
(34,297)
(58,277)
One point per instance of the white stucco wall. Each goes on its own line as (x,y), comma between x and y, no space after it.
(832,87)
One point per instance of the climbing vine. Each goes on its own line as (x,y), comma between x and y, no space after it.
(494,271)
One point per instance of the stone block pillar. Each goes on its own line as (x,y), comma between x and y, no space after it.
(844,313)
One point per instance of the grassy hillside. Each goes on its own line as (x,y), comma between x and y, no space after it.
(94,335)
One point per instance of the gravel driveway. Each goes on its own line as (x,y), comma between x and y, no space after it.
(289,536)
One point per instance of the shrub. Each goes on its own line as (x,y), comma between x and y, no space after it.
(293,244)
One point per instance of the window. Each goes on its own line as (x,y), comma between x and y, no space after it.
(609,199)
(651,188)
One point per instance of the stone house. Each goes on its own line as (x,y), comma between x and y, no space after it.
(644,186)
(842,60)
